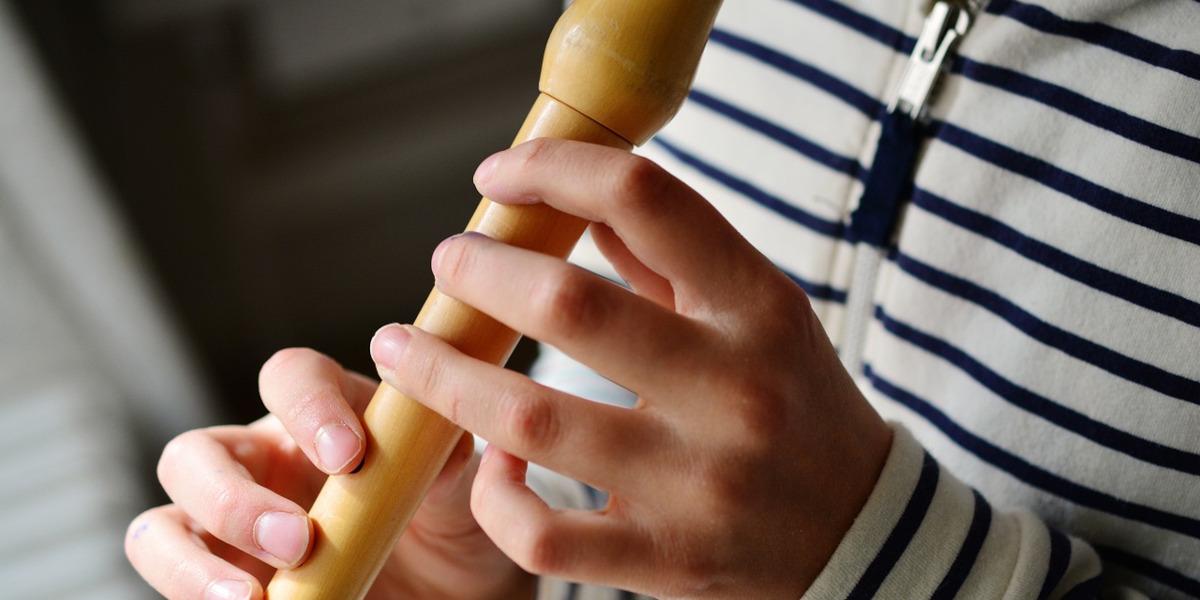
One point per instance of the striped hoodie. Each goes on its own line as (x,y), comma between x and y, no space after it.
(1027,312)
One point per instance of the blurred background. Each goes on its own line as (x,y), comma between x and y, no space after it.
(187,186)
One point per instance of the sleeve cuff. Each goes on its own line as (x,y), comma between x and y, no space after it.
(924,534)
(893,546)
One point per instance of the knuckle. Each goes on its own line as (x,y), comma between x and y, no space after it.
(457,259)
(225,502)
(690,556)
(425,373)
(760,412)
(531,421)
(225,515)
(763,420)
(294,412)
(179,569)
(730,485)
(534,151)
(640,184)
(540,551)
(569,304)
(698,573)
(451,401)
(737,481)
(305,408)
(283,361)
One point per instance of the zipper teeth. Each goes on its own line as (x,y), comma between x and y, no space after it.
(945,24)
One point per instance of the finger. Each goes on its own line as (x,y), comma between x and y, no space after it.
(272,458)
(255,567)
(586,440)
(576,545)
(645,282)
(624,337)
(446,511)
(201,476)
(307,391)
(444,525)
(666,224)
(176,563)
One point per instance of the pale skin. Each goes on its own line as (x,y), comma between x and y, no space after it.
(745,461)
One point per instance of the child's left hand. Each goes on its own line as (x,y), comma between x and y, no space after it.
(751,450)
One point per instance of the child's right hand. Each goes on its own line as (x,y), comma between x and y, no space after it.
(239,493)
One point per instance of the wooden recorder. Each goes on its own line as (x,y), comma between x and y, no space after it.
(614,72)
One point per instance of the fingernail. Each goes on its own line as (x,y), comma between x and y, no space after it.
(336,447)
(466,237)
(436,259)
(282,535)
(486,169)
(228,589)
(388,345)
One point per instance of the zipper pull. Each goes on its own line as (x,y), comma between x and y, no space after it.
(946,24)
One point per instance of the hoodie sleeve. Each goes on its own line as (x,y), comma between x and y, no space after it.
(924,534)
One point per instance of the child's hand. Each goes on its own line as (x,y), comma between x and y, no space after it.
(239,494)
(751,450)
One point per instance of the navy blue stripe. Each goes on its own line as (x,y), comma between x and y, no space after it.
(1101,433)
(1060,557)
(1130,369)
(1086,590)
(836,87)
(820,291)
(866,25)
(1101,34)
(1149,568)
(1031,474)
(981,523)
(1101,279)
(1077,105)
(794,141)
(1094,195)
(1107,281)
(898,540)
(1091,275)
(1052,95)
(1087,273)
(794,213)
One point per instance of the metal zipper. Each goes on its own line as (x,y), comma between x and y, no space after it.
(888,185)
(946,24)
